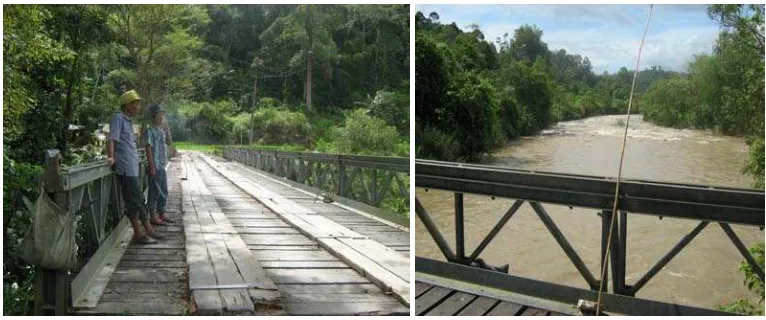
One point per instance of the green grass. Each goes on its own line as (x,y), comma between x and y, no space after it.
(207,148)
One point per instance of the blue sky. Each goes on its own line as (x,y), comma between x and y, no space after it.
(608,35)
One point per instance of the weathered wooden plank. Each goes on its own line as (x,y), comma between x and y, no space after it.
(430,299)
(332,228)
(145,308)
(302,276)
(338,297)
(227,273)
(373,271)
(421,288)
(128,264)
(478,307)
(452,305)
(295,255)
(140,288)
(529,311)
(340,309)
(329,288)
(304,265)
(132,298)
(149,275)
(276,239)
(267,248)
(259,223)
(506,308)
(386,257)
(258,230)
(175,256)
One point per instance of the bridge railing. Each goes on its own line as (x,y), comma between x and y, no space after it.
(708,205)
(91,194)
(376,181)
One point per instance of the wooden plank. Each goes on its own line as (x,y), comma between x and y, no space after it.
(506,308)
(478,307)
(332,228)
(257,230)
(341,309)
(276,239)
(430,299)
(252,271)
(89,284)
(125,264)
(177,256)
(269,249)
(377,274)
(452,305)
(339,297)
(146,308)
(302,276)
(140,288)
(304,265)
(265,223)
(534,312)
(294,255)
(132,298)
(206,302)
(386,257)
(421,288)
(149,275)
(329,288)
(227,273)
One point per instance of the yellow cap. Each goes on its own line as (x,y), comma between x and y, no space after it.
(129,97)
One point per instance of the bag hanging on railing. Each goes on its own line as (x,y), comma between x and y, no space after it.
(50,240)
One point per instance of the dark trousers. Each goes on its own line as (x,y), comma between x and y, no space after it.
(133,198)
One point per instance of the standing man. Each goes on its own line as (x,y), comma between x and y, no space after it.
(122,154)
(157,150)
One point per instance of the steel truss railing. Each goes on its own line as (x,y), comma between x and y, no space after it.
(718,205)
(367,179)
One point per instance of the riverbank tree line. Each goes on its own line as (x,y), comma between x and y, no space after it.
(472,93)
(330,78)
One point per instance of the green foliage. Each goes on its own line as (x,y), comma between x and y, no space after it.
(364,134)
(471,114)
(753,283)
(393,108)
(279,126)
(677,92)
(755,161)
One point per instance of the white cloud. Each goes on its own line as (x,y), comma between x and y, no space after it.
(609,35)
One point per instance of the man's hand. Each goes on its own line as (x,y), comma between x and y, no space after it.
(110,161)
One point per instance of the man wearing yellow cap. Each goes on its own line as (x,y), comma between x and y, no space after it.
(123,156)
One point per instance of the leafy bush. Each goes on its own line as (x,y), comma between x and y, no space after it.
(432,143)
(753,283)
(280,126)
(393,108)
(755,161)
(365,134)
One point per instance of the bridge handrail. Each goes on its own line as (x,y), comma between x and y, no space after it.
(707,204)
(698,202)
(372,180)
(89,191)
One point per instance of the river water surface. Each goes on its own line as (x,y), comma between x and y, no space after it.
(704,274)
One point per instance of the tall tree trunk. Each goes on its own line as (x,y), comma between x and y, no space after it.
(63,143)
(308,82)
(309,52)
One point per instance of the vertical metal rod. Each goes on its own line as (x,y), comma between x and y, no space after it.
(614,255)
(623,249)
(459,227)
(433,230)
(606,216)
(742,249)
(564,244)
(495,230)
(672,253)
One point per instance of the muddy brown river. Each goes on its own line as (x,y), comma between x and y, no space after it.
(704,274)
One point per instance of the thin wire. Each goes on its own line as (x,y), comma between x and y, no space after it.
(619,171)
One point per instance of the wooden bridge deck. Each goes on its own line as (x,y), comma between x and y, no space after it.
(434,300)
(249,245)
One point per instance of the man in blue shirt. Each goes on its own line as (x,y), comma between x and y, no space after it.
(157,146)
(122,154)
